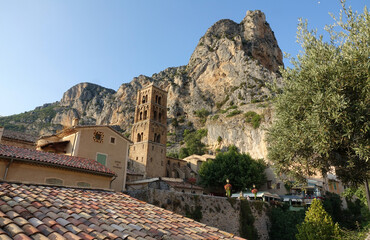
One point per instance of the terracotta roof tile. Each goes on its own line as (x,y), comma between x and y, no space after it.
(59,160)
(114,216)
(19,136)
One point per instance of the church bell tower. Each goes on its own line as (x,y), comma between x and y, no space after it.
(149,132)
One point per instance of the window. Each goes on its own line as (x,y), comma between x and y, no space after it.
(277,185)
(54,181)
(112,140)
(101,158)
(269,184)
(83,184)
(151,159)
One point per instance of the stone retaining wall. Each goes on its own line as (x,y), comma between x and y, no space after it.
(218,212)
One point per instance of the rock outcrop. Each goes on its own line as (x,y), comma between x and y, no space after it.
(231,71)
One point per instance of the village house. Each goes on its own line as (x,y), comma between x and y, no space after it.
(101,143)
(18,139)
(37,167)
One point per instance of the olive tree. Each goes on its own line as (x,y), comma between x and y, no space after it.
(323,110)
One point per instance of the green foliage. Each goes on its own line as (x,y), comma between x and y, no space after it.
(227,109)
(174,122)
(194,213)
(240,169)
(172,154)
(284,223)
(193,143)
(18,122)
(202,114)
(181,119)
(346,218)
(246,227)
(253,118)
(358,192)
(219,139)
(233,113)
(215,117)
(322,115)
(317,224)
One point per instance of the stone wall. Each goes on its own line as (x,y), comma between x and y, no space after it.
(218,212)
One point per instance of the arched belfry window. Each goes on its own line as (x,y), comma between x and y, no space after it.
(143,101)
(160,116)
(138,137)
(142,136)
(156,98)
(141,116)
(158,140)
(145,114)
(155,115)
(155,137)
(159,100)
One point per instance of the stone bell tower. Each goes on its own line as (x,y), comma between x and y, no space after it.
(149,132)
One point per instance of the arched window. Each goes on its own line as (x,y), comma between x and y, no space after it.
(158,138)
(83,184)
(139,137)
(159,116)
(159,100)
(155,137)
(143,101)
(155,115)
(54,181)
(146,98)
(141,115)
(142,137)
(145,114)
(156,99)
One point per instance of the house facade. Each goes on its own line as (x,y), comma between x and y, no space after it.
(37,167)
(98,142)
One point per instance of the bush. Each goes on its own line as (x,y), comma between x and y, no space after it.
(220,104)
(284,223)
(317,224)
(233,113)
(253,118)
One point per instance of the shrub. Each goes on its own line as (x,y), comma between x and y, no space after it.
(284,223)
(253,118)
(220,104)
(233,113)
(219,139)
(317,224)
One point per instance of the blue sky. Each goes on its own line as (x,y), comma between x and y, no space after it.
(46,47)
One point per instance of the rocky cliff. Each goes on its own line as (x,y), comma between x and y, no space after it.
(230,72)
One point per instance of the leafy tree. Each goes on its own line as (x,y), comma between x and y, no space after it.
(322,114)
(317,224)
(193,143)
(240,169)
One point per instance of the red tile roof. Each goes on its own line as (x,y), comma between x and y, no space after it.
(63,161)
(39,212)
(20,136)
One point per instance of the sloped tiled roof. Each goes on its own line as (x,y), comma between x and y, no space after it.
(58,160)
(183,185)
(20,136)
(44,212)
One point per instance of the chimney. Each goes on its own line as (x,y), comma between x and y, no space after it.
(1,132)
(75,122)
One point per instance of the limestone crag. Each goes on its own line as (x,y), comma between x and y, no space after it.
(232,69)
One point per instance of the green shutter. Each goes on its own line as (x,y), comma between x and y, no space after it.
(101,158)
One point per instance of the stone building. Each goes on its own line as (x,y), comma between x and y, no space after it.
(149,133)
(101,143)
(37,167)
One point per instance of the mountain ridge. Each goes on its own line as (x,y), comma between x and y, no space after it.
(232,67)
